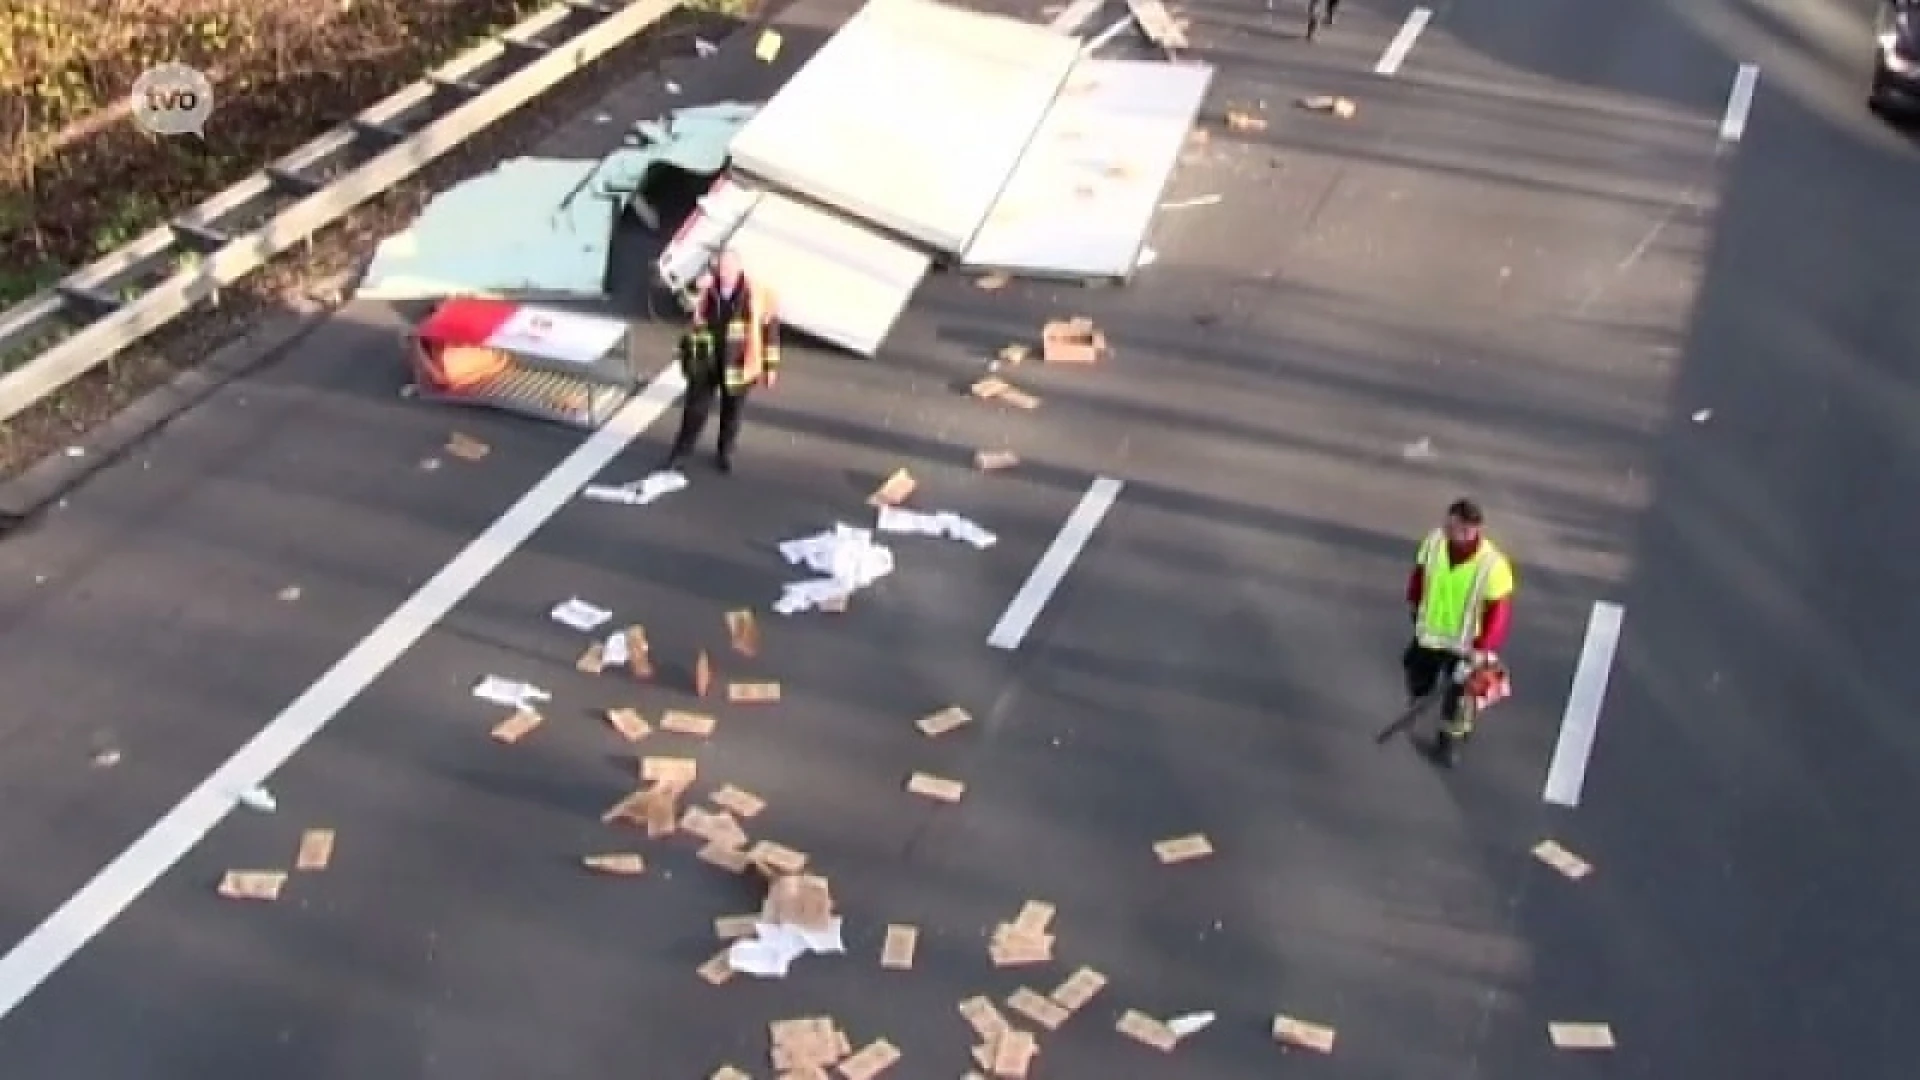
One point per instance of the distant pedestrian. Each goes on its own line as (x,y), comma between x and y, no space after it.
(732,346)
(1320,13)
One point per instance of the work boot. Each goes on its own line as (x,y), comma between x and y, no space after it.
(724,462)
(1444,749)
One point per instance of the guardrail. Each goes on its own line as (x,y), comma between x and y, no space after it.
(96,312)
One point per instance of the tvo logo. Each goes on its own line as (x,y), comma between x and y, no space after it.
(172,99)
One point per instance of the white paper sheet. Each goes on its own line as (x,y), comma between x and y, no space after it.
(775,946)
(945,523)
(849,558)
(642,492)
(580,615)
(614,653)
(510,693)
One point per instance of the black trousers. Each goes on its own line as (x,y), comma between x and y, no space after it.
(697,404)
(1426,669)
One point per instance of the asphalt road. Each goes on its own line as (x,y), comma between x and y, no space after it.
(1528,249)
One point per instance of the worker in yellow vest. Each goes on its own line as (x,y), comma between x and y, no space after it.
(1461,595)
(732,346)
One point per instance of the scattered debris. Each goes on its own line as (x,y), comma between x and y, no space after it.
(993,389)
(738,801)
(1073,341)
(252,884)
(743,633)
(630,647)
(990,282)
(847,555)
(704,48)
(1581,1035)
(1244,121)
(1340,107)
(621,864)
(1144,1029)
(1418,450)
(938,788)
(577,614)
(753,693)
(106,759)
(258,798)
(1569,864)
(1012,1054)
(809,1043)
(797,919)
(1039,1008)
(1703,416)
(1025,940)
(1012,354)
(939,723)
(290,593)
(895,490)
(729,927)
(719,829)
(944,523)
(316,851)
(1148,257)
(777,859)
(1190,1023)
(986,1020)
(873,1059)
(896,953)
(1289,1031)
(1193,203)
(702,674)
(510,692)
(517,726)
(466,447)
(678,773)
(728,1072)
(593,661)
(1183,848)
(1158,25)
(717,970)
(1078,989)
(767,47)
(642,492)
(629,723)
(681,722)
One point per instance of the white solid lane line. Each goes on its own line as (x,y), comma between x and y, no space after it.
(1052,568)
(1581,722)
(1733,123)
(89,911)
(1402,42)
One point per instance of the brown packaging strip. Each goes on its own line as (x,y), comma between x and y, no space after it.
(1300,1033)
(896,953)
(516,727)
(738,801)
(1038,1008)
(681,722)
(938,788)
(1078,989)
(1142,1028)
(316,850)
(252,884)
(1183,848)
(624,864)
(628,723)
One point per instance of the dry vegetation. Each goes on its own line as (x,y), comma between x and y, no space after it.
(77,177)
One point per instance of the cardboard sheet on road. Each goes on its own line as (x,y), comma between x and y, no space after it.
(911,117)
(1083,196)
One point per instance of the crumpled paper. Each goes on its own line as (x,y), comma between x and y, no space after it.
(640,492)
(510,693)
(849,558)
(775,946)
(894,519)
(577,614)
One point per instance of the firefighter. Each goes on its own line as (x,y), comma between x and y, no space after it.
(1461,596)
(732,346)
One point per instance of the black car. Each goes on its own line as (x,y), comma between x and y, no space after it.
(1896,64)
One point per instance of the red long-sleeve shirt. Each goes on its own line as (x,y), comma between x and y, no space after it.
(1493,622)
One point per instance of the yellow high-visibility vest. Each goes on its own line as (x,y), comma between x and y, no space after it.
(746,353)
(1454,598)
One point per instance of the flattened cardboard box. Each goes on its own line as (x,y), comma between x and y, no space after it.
(252,884)
(753,693)
(986,1021)
(896,953)
(744,633)
(1078,989)
(717,970)
(777,858)
(630,725)
(938,788)
(516,727)
(316,850)
(803,900)
(1144,1029)
(893,491)
(1183,848)
(1038,1008)
(1581,1035)
(1072,341)
(677,773)
(1013,1054)
(939,723)
(681,722)
(873,1059)
(1300,1033)
(738,801)
(639,652)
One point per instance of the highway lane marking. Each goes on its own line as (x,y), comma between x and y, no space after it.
(1402,42)
(1733,123)
(1052,568)
(111,891)
(1581,722)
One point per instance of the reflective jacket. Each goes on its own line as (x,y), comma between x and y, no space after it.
(748,344)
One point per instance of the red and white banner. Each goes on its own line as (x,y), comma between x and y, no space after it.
(542,333)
